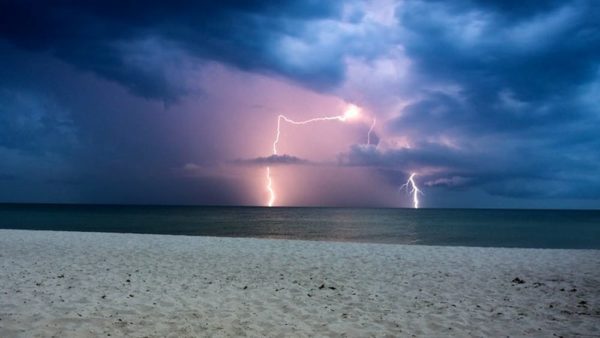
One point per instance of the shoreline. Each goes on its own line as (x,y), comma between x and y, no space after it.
(349,241)
(99,284)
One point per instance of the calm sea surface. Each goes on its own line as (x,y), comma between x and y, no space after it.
(465,227)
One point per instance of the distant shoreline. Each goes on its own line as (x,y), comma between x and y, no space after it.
(233,237)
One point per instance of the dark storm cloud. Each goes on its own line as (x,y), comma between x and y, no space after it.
(5,177)
(97,36)
(503,95)
(273,160)
(510,85)
(535,54)
(510,169)
(513,8)
(507,67)
(33,123)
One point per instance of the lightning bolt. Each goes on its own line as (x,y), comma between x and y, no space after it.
(316,119)
(350,113)
(270,188)
(414,190)
(370,131)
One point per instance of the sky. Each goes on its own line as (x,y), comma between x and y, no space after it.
(491,103)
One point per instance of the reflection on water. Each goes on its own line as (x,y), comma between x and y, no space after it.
(468,227)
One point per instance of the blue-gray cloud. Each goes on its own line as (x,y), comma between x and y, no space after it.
(29,120)
(98,36)
(511,85)
(503,94)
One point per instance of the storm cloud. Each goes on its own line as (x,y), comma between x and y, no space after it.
(138,45)
(273,160)
(103,101)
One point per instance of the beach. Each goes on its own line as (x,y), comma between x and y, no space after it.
(75,284)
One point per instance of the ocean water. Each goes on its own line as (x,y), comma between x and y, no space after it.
(578,229)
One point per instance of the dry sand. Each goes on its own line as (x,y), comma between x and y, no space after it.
(94,284)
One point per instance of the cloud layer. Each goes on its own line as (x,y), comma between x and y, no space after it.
(479,97)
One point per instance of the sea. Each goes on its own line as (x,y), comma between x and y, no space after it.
(568,229)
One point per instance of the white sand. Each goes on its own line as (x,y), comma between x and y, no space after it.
(90,284)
